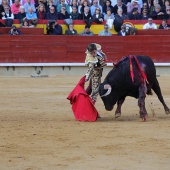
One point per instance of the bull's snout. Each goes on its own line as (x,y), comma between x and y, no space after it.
(109,108)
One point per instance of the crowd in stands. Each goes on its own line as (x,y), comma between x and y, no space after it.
(114,12)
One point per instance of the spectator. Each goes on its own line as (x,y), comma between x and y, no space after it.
(41,13)
(29,4)
(25,1)
(132,31)
(166,3)
(53,28)
(63,14)
(52,14)
(32,16)
(122,32)
(105,32)
(49,5)
(133,4)
(2,13)
(80,2)
(85,4)
(14,31)
(134,15)
(63,4)
(21,15)
(74,15)
(144,15)
(155,2)
(73,4)
(86,16)
(145,7)
(15,8)
(98,16)
(56,2)
(108,15)
(94,6)
(107,5)
(71,30)
(87,31)
(167,15)
(164,25)
(40,2)
(120,5)
(150,24)
(6,2)
(26,24)
(157,14)
(119,18)
(7,13)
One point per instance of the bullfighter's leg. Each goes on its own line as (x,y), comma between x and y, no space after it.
(141,101)
(89,88)
(156,88)
(118,109)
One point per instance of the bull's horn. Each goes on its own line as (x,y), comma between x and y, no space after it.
(108,88)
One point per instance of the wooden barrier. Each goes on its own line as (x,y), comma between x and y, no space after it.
(28,31)
(57,49)
(153,32)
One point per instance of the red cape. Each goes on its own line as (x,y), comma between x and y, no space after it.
(82,104)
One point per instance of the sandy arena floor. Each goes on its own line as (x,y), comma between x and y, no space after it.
(38,130)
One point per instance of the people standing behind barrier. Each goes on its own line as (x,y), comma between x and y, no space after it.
(150,24)
(63,14)
(157,13)
(144,15)
(98,17)
(107,5)
(63,4)
(105,32)
(52,14)
(86,16)
(26,24)
(167,15)
(120,5)
(15,8)
(53,28)
(119,19)
(122,32)
(27,5)
(41,12)
(133,4)
(87,31)
(14,31)
(164,25)
(94,6)
(32,16)
(134,15)
(71,30)
(74,15)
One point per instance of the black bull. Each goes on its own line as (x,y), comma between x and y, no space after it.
(118,84)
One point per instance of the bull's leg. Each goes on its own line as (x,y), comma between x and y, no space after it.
(157,90)
(141,101)
(118,109)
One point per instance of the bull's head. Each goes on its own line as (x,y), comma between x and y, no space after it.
(107,95)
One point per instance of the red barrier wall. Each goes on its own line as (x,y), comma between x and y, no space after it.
(40,49)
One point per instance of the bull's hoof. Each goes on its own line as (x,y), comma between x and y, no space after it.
(117,115)
(167,112)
